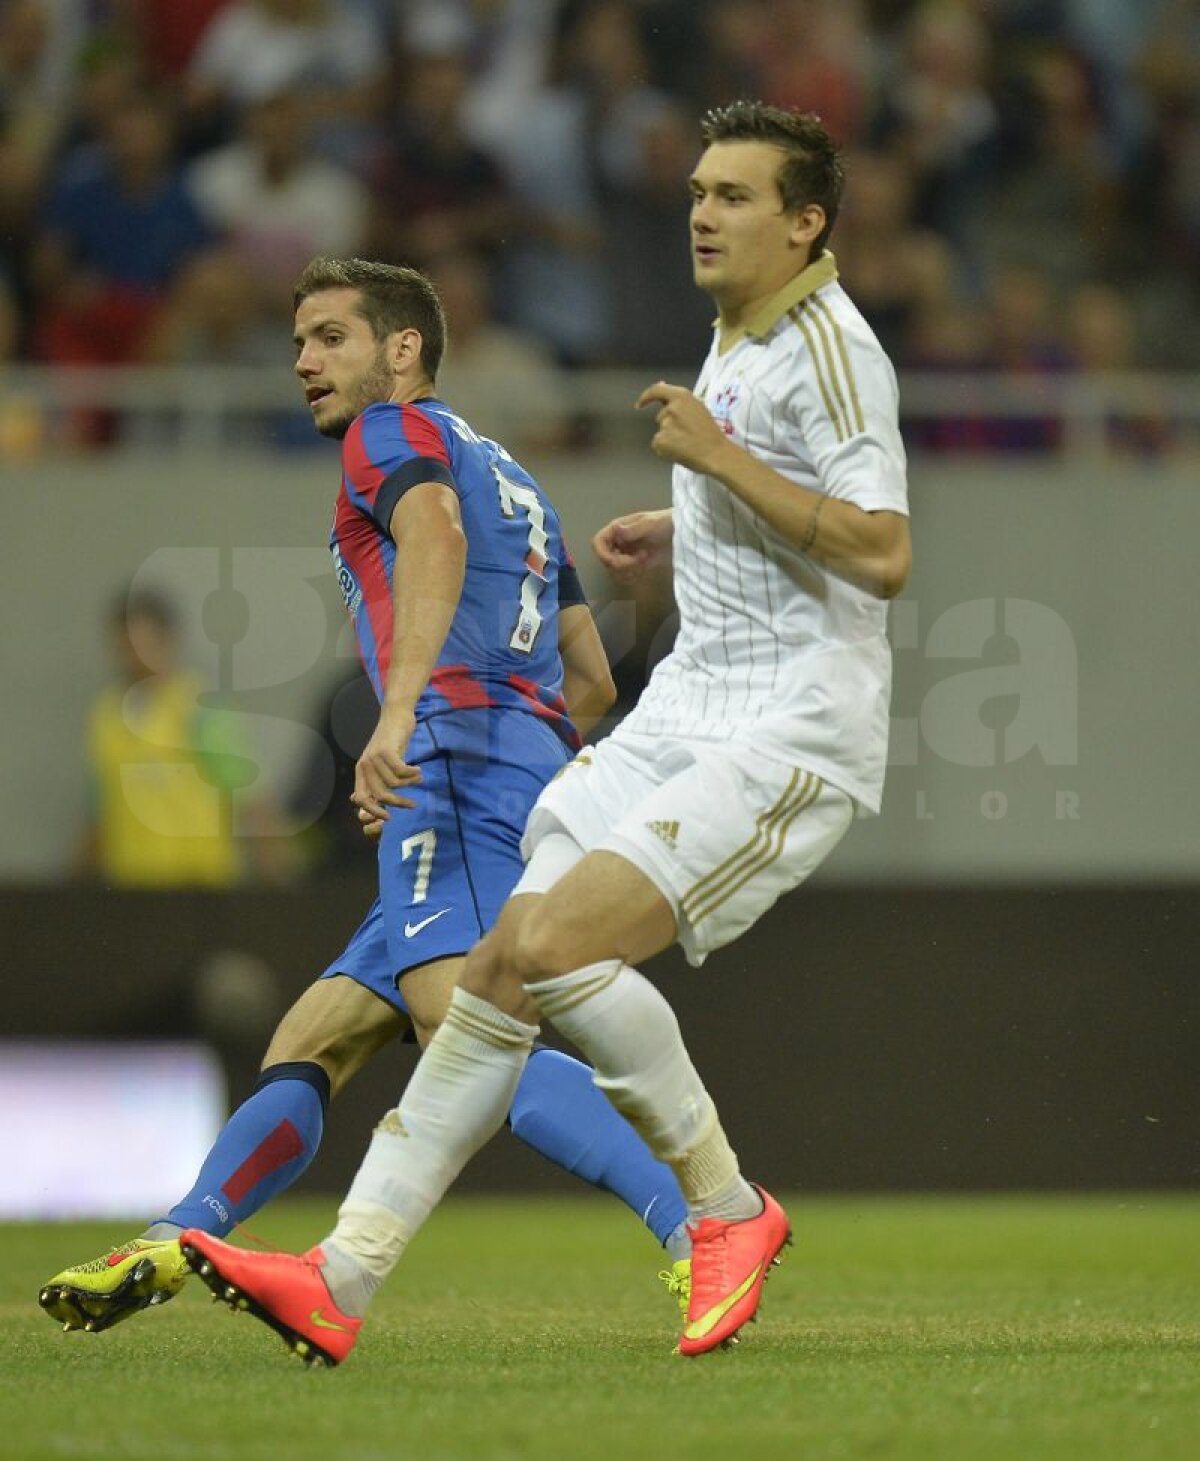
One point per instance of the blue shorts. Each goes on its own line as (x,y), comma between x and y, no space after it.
(447,864)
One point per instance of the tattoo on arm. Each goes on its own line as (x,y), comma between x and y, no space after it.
(810,532)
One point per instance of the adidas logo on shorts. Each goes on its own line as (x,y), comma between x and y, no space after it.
(666,832)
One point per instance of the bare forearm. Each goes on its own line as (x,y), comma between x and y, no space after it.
(587,699)
(588,685)
(869,550)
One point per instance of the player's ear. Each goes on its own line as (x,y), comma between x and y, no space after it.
(807,224)
(404,349)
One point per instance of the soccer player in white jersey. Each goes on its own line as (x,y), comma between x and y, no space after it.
(736,775)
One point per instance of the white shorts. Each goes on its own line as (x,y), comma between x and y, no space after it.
(720,831)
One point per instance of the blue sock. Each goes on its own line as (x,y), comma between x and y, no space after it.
(262,1148)
(560,1113)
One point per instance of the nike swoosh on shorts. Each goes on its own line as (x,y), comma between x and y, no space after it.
(412,929)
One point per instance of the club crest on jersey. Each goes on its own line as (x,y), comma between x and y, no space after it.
(722,408)
(346,581)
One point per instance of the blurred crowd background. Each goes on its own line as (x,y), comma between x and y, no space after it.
(1025,192)
(996,979)
(1021,227)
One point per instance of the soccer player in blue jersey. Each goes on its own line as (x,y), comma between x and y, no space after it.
(473,627)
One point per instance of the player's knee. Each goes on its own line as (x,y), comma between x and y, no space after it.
(541,948)
(496,963)
(334,1050)
(486,966)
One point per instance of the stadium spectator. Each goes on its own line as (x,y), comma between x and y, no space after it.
(1169,66)
(499,379)
(509,43)
(893,267)
(335,50)
(38,44)
(1101,331)
(609,66)
(579,135)
(273,201)
(215,315)
(816,55)
(167,33)
(22,421)
(1064,200)
(119,226)
(162,765)
(109,73)
(1101,336)
(9,322)
(949,332)
(1025,339)
(726,59)
(938,112)
(659,318)
(118,229)
(433,190)
(1028,129)
(1027,330)
(39,41)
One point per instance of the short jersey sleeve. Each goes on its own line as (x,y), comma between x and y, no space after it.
(388,449)
(570,588)
(845,406)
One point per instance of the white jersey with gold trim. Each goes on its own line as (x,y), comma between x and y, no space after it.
(773,651)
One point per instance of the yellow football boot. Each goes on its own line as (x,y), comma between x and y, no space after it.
(99,1294)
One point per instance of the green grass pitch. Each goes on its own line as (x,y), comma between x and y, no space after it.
(1013,1328)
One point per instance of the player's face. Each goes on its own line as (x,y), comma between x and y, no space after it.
(744,246)
(343,367)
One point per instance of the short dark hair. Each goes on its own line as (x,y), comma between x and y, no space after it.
(811,171)
(394,297)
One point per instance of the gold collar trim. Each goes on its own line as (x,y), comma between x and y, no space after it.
(808,281)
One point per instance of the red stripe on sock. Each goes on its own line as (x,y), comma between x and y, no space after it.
(284,1143)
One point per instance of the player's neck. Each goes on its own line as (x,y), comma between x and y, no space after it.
(736,316)
(733,319)
(412,390)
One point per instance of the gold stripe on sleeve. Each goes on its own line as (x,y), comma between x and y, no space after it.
(815,356)
(818,324)
(840,341)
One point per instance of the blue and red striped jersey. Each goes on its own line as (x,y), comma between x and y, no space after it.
(502,650)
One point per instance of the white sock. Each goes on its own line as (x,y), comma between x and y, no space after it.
(348,1281)
(459,1095)
(630,1035)
(162,1231)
